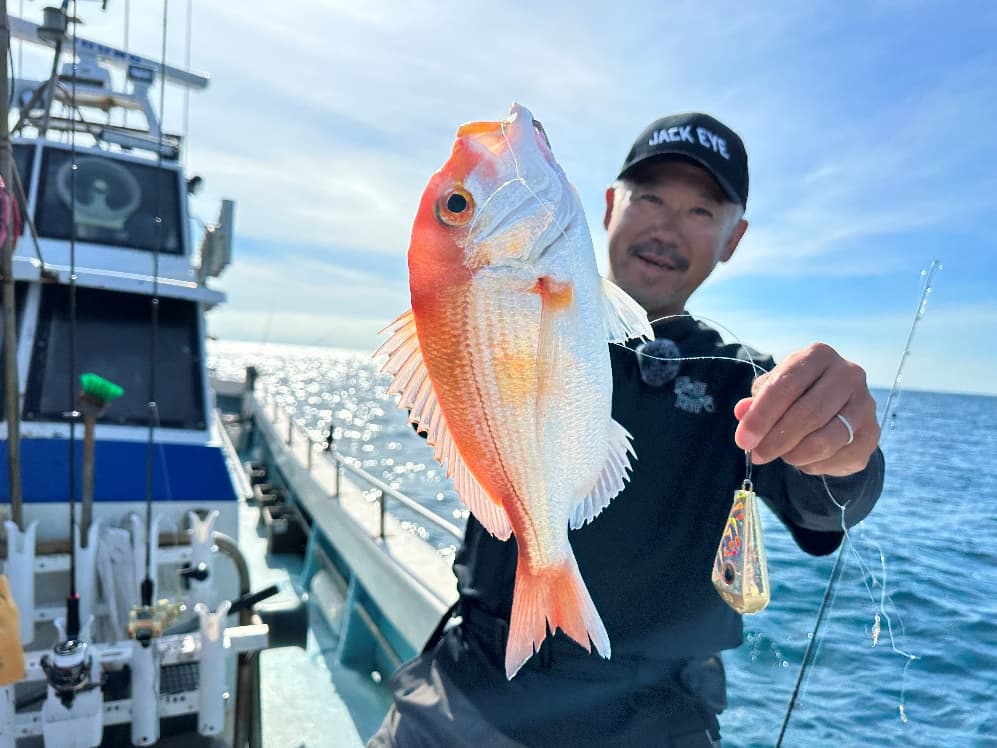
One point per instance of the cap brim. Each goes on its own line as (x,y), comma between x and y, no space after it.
(666,154)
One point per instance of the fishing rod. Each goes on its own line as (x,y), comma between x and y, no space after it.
(11,391)
(69,667)
(811,651)
(894,395)
(148,585)
(73,602)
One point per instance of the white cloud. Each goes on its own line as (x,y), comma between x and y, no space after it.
(324,119)
(318,198)
(294,298)
(952,347)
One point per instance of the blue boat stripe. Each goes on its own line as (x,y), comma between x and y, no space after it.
(181,472)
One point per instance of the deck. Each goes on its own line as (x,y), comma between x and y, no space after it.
(309,697)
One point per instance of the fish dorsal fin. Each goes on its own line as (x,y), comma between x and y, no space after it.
(412,383)
(624,317)
(612,479)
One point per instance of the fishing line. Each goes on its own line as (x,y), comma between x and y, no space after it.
(829,593)
(758,370)
(867,573)
(519,179)
(808,658)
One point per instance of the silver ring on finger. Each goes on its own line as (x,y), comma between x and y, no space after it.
(851,431)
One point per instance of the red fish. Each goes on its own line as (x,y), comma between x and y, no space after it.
(503,360)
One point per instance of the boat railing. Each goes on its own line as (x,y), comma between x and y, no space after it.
(298,433)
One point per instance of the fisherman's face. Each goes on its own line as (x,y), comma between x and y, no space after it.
(669,225)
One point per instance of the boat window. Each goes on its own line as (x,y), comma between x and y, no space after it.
(24,160)
(20,292)
(113,339)
(117,202)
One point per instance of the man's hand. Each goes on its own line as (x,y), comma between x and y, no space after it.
(793,414)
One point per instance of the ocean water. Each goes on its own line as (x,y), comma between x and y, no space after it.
(925,562)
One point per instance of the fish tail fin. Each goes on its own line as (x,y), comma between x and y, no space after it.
(554,596)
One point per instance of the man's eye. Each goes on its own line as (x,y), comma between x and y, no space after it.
(651,198)
(700,211)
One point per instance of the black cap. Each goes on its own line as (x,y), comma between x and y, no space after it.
(701,138)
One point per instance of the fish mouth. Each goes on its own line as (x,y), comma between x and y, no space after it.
(520,190)
(498,135)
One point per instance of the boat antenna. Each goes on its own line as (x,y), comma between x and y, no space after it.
(186,90)
(147,583)
(128,14)
(811,651)
(49,87)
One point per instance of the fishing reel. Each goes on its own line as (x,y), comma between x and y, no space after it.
(147,622)
(68,670)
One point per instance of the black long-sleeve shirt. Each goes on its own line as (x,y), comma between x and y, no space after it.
(648,557)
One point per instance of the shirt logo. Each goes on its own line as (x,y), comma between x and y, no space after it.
(691,396)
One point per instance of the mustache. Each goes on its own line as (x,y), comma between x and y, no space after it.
(665,252)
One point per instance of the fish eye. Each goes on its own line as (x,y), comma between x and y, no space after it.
(455,207)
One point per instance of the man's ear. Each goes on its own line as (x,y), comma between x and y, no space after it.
(733,239)
(610,196)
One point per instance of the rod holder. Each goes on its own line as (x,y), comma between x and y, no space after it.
(20,571)
(201,542)
(8,716)
(211,696)
(145,694)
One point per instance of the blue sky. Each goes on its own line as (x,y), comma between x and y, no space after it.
(870,130)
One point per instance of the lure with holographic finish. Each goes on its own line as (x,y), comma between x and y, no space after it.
(740,572)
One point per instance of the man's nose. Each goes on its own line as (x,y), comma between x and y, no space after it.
(665,220)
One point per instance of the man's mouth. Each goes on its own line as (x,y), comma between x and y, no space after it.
(655,260)
(660,257)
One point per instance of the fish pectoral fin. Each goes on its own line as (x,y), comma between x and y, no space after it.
(412,383)
(611,480)
(624,317)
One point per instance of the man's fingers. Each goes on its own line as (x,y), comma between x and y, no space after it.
(759,382)
(805,418)
(826,441)
(847,460)
(781,388)
(793,412)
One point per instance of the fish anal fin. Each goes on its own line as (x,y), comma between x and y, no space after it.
(612,479)
(624,318)
(554,596)
(412,383)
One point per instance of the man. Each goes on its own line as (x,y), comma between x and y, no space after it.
(675,211)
